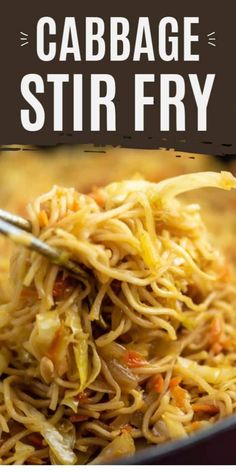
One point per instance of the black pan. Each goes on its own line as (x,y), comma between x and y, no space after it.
(213,445)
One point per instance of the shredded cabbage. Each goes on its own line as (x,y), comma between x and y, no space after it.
(46,327)
(175,427)
(22,452)
(148,251)
(121,446)
(81,358)
(58,445)
(213,375)
(80,347)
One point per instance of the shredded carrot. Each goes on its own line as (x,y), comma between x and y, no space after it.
(179,395)
(216,338)
(195,425)
(36,439)
(97,196)
(75,206)
(78,418)
(43,219)
(216,330)
(158,383)
(205,408)
(134,359)
(174,382)
(216,327)
(225,273)
(227,344)
(217,348)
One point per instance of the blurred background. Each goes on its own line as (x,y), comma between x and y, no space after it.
(28,173)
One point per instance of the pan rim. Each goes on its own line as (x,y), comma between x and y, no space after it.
(160,452)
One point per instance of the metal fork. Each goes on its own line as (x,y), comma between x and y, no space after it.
(19,229)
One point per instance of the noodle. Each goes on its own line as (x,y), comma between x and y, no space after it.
(142,346)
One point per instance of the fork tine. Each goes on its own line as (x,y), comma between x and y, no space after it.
(20,236)
(15,220)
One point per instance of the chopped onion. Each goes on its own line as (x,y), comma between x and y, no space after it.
(213,375)
(112,350)
(123,375)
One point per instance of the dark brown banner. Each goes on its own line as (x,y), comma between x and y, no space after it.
(137,74)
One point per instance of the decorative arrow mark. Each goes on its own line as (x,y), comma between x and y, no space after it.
(211,40)
(24,39)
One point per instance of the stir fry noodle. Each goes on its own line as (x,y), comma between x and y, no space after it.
(139,349)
